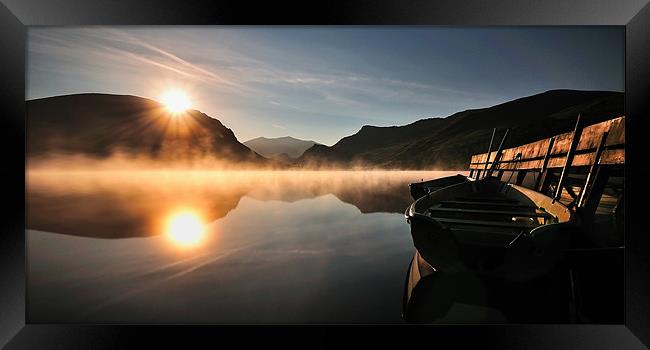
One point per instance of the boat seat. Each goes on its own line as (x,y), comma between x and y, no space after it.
(492,212)
(515,204)
(467,236)
(516,224)
(506,231)
(487,199)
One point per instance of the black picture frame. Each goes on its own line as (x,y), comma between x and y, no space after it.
(15,15)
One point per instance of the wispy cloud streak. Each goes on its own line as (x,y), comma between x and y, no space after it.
(238,75)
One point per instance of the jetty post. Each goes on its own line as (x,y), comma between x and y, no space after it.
(577,132)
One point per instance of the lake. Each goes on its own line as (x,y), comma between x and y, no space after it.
(218,247)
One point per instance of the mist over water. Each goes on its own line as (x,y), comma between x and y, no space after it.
(257,246)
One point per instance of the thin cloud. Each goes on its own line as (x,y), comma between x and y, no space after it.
(250,76)
(343,101)
(177,59)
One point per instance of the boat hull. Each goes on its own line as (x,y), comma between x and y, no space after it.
(419,189)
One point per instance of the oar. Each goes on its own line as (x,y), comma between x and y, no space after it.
(498,154)
(494,131)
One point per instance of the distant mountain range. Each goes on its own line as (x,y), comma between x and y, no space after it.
(100,125)
(448,143)
(281,148)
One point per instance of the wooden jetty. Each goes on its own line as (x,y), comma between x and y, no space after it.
(568,274)
(582,169)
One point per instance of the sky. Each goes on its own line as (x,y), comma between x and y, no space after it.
(324,83)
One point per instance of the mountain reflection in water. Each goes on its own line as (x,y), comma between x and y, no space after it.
(130,204)
(272,247)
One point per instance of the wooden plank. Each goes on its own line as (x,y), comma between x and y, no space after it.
(612,157)
(614,127)
(616,132)
(562,143)
(534,153)
(609,156)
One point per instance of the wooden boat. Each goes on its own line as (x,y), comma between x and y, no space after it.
(491,228)
(419,189)
(516,254)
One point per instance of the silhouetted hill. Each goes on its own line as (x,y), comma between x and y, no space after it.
(374,137)
(99,125)
(448,143)
(273,147)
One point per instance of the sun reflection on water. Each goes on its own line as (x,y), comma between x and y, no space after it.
(185,228)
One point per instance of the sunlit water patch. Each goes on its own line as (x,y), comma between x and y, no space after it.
(228,247)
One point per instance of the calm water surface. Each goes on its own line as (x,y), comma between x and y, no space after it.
(218,247)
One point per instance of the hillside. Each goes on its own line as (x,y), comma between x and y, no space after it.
(101,125)
(448,143)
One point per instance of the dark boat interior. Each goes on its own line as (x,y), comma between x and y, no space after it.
(477,216)
(488,212)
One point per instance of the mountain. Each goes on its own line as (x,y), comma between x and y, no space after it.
(101,125)
(448,143)
(64,203)
(276,147)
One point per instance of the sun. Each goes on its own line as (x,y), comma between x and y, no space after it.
(185,228)
(176,101)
